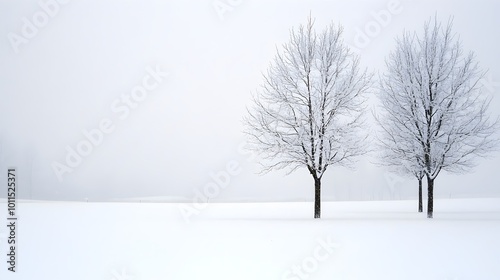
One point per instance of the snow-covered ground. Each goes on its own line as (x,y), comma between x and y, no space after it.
(353,240)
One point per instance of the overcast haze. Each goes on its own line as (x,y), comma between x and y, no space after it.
(72,74)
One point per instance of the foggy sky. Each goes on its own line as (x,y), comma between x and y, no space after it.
(82,64)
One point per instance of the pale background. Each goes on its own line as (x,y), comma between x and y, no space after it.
(65,78)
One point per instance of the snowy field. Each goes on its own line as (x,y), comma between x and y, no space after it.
(353,240)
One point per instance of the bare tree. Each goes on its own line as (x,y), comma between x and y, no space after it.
(434,113)
(309,110)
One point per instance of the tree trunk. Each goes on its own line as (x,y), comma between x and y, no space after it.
(430,197)
(420,204)
(317,198)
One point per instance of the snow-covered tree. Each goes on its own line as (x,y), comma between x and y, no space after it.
(396,148)
(309,110)
(393,155)
(434,113)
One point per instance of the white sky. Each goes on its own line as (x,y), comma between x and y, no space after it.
(65,78)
